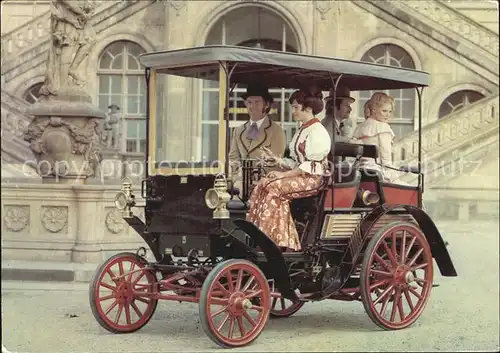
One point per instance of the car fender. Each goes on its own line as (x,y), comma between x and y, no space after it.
(432,234)
(274,256)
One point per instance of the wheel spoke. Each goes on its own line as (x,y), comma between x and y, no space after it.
(136,308)
(134,283)
(110,273)
(111,307)
(229,279)
(223,322)
(408,299)
(382,273)
(219,301)
(120,268)
(394,304)
(249,319)
(224,289)
(378,284)
(231,327)
(400,306)
(412,261)
(127,314)
(132,266)
(384,304)
(239,279)
(119,313)
(240,326)
(419,267)
(384,293)
(389,254)
(403,247)
(220,311)
(254,294)
(410,246)
(414,292)
(381,261)
(106,297)
(108,286)
(249,282)
(393,245)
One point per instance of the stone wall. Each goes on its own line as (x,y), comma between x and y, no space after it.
(64,223)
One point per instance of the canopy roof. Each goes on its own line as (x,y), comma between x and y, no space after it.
(281,69)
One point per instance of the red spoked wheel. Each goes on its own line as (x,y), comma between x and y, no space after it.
(397,269)
(118,296)
(234,303)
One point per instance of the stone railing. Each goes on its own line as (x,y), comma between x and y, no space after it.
(14,122)
(448,133)
(453,20)
(33,32)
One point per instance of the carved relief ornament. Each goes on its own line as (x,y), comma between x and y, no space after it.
(16,218)
(114,222)
(57,141)
(54,219)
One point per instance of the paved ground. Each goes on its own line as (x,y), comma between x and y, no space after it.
(462,315)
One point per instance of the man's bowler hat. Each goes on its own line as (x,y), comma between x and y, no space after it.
(258,90)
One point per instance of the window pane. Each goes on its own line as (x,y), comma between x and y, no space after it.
(116,84)
(141,129)
(132,63)
(409,110)
(210,106)
(209,148)
(103,102)
(132,85)
(132,129)
(131,146)
(104,84)
(117,62)
(105,62)
(117,47)
(132,105)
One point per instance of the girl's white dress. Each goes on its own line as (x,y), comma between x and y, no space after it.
(374,132)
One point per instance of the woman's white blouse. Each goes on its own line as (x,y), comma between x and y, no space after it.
(309,147)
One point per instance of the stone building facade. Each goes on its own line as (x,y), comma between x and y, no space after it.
(455,41)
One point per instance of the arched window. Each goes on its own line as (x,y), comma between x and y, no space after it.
(402,121)
(121,82)
(457,101)
(33,93)
(249,26)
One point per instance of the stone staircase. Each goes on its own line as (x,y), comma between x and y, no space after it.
(15,151)
(444,29)
(25,48)
(452,144)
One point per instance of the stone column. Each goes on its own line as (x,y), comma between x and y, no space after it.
(90,223)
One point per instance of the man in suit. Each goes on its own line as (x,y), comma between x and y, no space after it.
(341,125)
(258,132)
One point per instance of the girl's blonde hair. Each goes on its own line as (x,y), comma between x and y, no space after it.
(377,99)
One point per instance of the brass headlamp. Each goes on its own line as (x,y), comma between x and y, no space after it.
(368,197)
(125,200)
(217,198)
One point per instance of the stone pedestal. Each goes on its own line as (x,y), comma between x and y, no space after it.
(64,136)
(89,214)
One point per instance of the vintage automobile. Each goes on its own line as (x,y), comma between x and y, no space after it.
(362,239)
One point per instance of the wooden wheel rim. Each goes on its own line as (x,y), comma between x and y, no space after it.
(238,299)
(412,253)
(123,295)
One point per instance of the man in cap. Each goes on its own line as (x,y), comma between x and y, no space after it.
(341,125)
(258,132)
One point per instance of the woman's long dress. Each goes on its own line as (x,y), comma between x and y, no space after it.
(270,199)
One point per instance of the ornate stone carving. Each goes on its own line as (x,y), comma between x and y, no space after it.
(177,5)
(72,37)
(65,147)
(111,128)
(323,7)
(16,218)
(114,221)
(54,219)
(64,133)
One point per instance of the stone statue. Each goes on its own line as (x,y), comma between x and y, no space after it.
(111,131)
(64,134)
(72,37)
